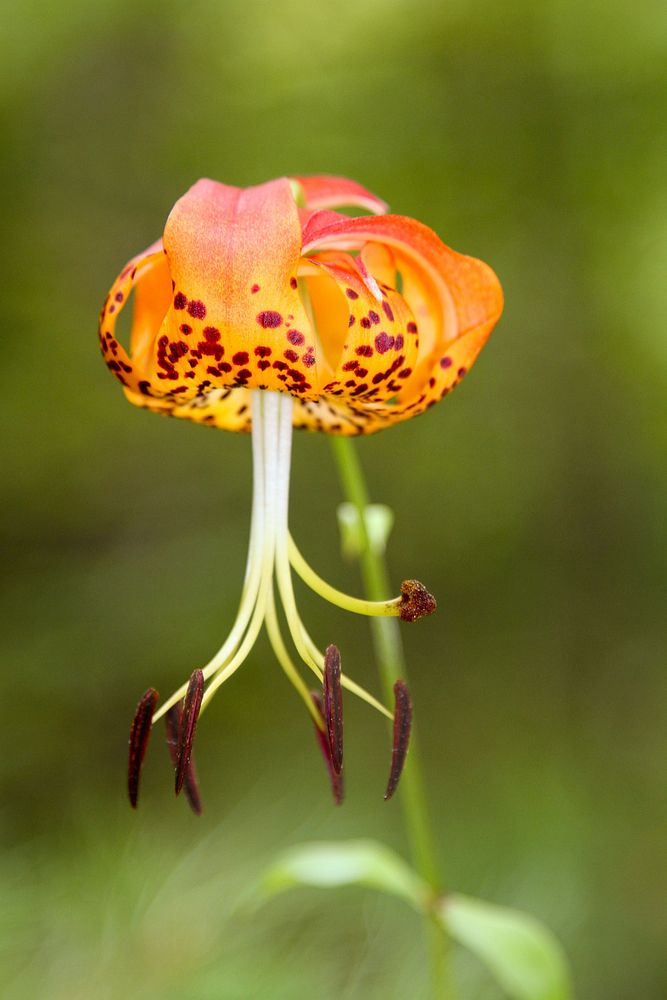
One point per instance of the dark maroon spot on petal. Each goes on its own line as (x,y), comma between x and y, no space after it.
(373,317)
(383,342)
(398,343)
(144,387)
(244,373)
(295,337)
(185,328)
(362,372)
(446,363)
(405,373)
(308,360)
(365,322)
(212,334)
(269,319)
(293,283)
(351,294)
(388,311)
(191,708)
(112,308)
(263,352)
(118,296)
(254,289)
(402,727)
(291,356)
(172,721)
(180,301)
(263,365)
(333,706)
(411,327)
(280,366)
(197,309)
(461,372)
(351,321)
(365,351)
(323,742)
(349,366)
(224,367)
(140,732)
(241,358)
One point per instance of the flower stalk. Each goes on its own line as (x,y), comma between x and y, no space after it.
(392,667)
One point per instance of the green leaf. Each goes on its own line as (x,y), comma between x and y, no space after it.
(329,865)
(525,957)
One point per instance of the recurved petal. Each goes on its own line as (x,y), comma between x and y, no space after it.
(326,191)
(468,292)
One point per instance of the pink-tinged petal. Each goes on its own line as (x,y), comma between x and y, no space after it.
(325,191)
(468,292)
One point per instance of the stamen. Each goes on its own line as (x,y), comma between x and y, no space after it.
(333,706)
(285,661)
(173,720)
(318,659)
(416,602)
(336,778)
(402,727)
(191,707)
(357,605)
(140,732)
(254,565)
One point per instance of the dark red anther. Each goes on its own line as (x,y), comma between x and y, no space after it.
(416,602)
(191,707)
(140,732)
(333,706)
(402,727)
(190,785)
(323,741)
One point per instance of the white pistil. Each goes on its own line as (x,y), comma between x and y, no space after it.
(270,552)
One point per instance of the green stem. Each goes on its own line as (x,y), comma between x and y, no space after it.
(391,664)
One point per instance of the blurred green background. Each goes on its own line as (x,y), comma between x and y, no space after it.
(531,502)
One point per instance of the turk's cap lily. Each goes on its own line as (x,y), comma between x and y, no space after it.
(364,321)
(265,309)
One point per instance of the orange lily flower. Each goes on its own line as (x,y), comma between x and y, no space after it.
(263,309)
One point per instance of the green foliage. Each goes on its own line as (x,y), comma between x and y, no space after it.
(518,950)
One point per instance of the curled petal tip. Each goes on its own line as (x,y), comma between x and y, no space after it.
(333,706)
(140,732)
(173,720)
(402,727)
(416,602)
(191,709)
(336,778)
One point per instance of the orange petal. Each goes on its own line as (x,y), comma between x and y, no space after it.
(468,292)
(364,337)
(234,256)
(325,191)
